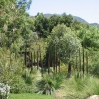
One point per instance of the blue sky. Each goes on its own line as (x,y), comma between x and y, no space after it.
(86,9)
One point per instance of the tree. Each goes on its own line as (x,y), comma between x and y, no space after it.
(67,19)
(89,37)
(65,41)
(63,44)
(41,24)
(54,21)
(45,25)
(15,24)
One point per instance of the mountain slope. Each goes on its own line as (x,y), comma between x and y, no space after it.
(75,17)
(94,24)
(80,19)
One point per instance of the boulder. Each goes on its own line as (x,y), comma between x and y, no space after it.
(93,97)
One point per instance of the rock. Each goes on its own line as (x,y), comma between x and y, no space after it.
(93,97)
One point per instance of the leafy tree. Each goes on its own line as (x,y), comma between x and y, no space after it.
(15,23)
(53,21)
(45,25)
(65,41)
(76,25)
(67,19)
(89,37)
(41,24)
(56,19)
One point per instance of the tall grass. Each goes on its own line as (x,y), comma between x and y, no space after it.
(81,87)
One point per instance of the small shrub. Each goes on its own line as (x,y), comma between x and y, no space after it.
(22,87)
(45,87)
(18,87)
(57,80)
(27,76)
(28,80)
(4,91)
(49,83)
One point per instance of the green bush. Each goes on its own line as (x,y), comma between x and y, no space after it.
(18,85)
(21,87)
(57,80)
(45,87)
(27,76)
(10,67)
(28,80)
(49,83)
(93,62)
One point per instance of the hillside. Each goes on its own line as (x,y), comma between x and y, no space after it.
(94,24)
(77,18)
(48,15)
(80,19)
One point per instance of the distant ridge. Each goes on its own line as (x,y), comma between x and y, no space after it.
(80,19)
(75,17)
(48,15)
(94,24)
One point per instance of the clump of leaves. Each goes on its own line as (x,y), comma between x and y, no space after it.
(49,83)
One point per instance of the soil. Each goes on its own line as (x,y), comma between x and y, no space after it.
(60,94)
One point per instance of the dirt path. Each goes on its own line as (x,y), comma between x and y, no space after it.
(60,94)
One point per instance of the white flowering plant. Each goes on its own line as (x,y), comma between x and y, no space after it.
(4,91)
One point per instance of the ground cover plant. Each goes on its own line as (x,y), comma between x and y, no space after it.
(30,96)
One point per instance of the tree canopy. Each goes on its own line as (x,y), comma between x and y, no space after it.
(16,25)
(44,25)
(65,41)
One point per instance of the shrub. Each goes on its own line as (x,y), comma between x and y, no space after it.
(4,91)
(28,80)
(57,80)
(27,76)
(22,87)
(49,83)
(45,87)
